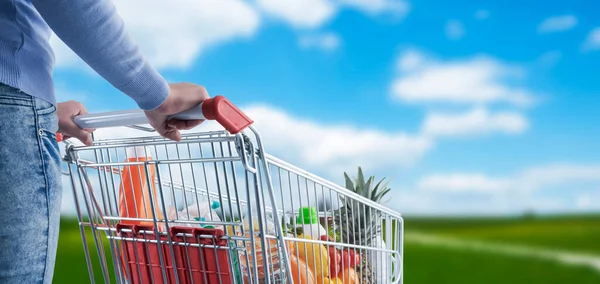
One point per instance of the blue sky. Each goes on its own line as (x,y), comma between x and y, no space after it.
(472,107)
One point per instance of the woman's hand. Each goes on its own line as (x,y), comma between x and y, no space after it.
(66,111)
(182,96)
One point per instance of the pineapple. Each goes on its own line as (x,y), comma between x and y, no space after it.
(358,223)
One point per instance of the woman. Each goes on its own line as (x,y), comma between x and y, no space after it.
(30,183)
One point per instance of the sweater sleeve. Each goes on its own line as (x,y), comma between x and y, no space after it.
(96,33)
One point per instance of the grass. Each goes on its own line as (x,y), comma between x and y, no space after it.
(571,233)
(436,265)
(71,266)
(429,264)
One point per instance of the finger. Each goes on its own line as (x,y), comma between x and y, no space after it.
(84,137)
(184,124)
(90,130)
(168,132)
(173,135)
(193,123)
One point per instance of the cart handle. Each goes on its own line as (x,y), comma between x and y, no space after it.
(218,108)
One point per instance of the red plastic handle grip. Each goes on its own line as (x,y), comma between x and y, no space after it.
(225,113)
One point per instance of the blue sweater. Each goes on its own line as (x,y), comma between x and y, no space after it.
(92,29)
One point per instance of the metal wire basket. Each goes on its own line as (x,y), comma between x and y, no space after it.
(216,208)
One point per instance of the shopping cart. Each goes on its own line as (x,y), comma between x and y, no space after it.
(216,208)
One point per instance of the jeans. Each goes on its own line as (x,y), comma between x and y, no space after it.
(30,188)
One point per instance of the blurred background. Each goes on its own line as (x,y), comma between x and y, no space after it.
(483,114)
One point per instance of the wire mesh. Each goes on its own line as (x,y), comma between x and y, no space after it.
(215,208)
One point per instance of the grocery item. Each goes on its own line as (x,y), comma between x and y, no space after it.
(366,225)
(134,191)
(335,269)
(300,272)
(350,258)
(309,222)
(324,280)
(335,260)
(272,251)
(231,212)
(381,260)
(204,211)
(332,228)
(349,276)
(315,255)
(326,238)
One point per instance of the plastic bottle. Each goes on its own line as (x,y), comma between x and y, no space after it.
(272,250)
(380,260)
(309,222)
(197,212)
(204,212)
(134,197)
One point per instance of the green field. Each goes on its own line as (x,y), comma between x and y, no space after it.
(426,263)
(573,233)
(439,264)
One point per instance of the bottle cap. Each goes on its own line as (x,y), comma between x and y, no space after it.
(215,204)
(307,215)
(204,226)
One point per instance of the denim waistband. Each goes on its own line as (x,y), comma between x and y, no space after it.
(14,96)
(9,91)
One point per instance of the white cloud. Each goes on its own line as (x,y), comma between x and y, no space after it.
(482,14)
(584,201)
(301,14)
(174,33)
(480,203)
(552,188)
(334,148)
(477,80)
(460,183)
(592,41)
(324,41)
(455,30)
(557,24)
(588,201)
(475,122)
(311,14)
(535,178)
(397,7)
(529,180)
(411,60)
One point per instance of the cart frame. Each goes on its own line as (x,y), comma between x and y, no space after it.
(241,148)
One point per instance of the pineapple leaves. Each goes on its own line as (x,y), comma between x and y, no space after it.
(374,192)
(380,195)
(365,189)
(361,177)
(349,184)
